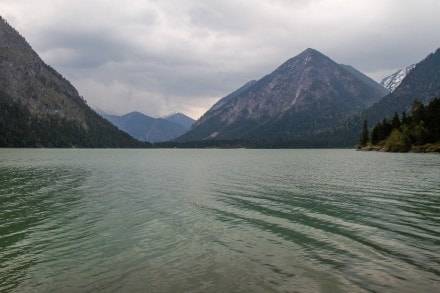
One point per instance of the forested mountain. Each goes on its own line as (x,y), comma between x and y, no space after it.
(422,83)
(146,128)
(40,108)
(305,96)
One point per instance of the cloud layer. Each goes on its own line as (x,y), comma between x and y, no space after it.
(162,56)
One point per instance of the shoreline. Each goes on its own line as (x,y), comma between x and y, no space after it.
(427,148)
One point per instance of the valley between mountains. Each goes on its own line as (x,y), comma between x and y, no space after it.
(308,101)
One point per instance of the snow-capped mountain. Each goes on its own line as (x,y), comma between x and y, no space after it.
(392,82)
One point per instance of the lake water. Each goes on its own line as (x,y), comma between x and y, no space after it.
(218,221)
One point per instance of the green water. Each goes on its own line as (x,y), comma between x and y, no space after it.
(219,221)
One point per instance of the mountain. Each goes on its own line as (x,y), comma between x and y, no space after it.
(230,97)
(40,108)
(421,83)
(304,96)
(392,81)
(181,119)
(146,128)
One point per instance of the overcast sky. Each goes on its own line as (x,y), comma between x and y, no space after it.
(163,56)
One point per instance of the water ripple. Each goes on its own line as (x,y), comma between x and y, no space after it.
(218,220)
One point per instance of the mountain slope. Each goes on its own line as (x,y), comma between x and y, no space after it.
(422,83)
(181,119)
(367,80)
(41,108)
(392,81)
(146,128)
(304,96)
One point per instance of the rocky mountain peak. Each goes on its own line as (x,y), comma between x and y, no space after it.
(304,95)
(39,107)
(392,81)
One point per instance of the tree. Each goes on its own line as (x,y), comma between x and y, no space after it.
(386,128)
(418,112)
(419,133)
(405,119)
(376,134)
(432,120)
(395,122)
(364,139)
(420,128)
(399,140)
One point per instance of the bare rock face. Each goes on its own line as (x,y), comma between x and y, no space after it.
(26,78)
(304,96)
(39,107)
(392,81)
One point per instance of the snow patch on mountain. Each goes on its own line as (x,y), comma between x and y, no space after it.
(393,81)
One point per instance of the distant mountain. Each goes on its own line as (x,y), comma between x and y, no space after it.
(146,128)
(181,119)
(304,96)
(40,108)
(392,81)
(421,83)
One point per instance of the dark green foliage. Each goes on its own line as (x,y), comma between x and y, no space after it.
(405,119)
(432,119)
(364,139)
(376,134)
(418,112)
(420,128)
(399,140)
(422,82)
(395,122)
(20,128)
(40,108)
(386,128)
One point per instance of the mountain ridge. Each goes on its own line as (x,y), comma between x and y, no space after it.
(146,128)
(392,81)
(421,83)
(40,108)
(306,94)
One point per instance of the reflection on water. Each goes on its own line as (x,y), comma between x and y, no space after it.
(218,220)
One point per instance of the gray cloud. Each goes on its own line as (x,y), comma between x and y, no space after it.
(162,56)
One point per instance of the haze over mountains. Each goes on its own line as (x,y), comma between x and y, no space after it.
(309,100)
(146,128)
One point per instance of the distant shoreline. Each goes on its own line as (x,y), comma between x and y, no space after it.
(427,148)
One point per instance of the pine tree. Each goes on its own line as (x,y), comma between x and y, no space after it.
(395,122)
(376,134)
(386,128)
(405,119)
(364,139)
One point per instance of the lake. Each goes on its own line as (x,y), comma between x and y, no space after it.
(209,220)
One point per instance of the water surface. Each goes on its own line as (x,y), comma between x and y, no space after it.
(218,221)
